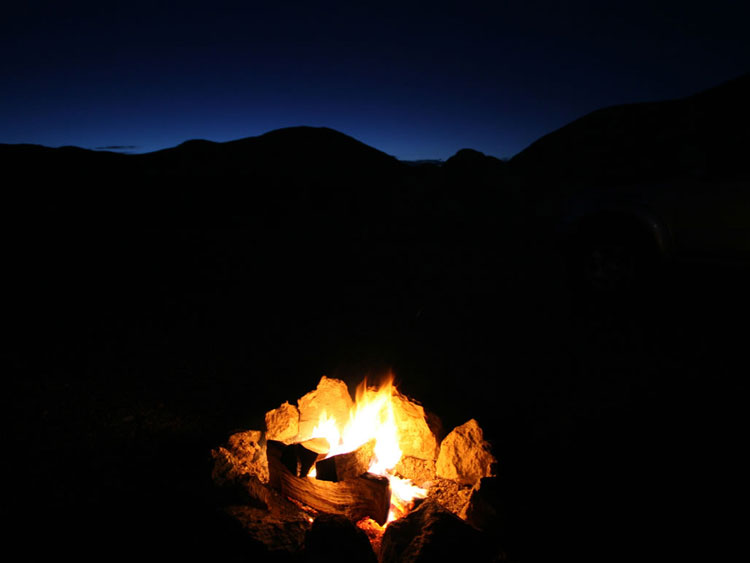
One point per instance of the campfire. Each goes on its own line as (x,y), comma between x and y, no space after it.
(376,461)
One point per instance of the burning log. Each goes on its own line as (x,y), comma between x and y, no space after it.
(346,466)
(366,495)
(299,458)
(269,473)
(355,498)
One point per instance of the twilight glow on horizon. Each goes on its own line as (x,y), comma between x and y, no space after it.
(414,82)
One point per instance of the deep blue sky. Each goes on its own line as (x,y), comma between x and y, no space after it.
(416,80)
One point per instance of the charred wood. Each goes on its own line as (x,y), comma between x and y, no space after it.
(297,458)
(346,466)
(356,498)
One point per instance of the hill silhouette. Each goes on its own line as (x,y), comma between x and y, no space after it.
(705,134)
(315,174)
(289,152)
(296,165)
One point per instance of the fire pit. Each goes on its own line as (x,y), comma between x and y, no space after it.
(378,462)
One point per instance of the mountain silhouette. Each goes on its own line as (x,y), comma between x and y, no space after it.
(705,134)
(288,152)
(302,165)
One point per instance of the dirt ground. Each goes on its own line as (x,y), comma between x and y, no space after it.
(616,423)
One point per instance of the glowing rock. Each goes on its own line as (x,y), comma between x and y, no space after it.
(420,471)
(415,437)
(282,424)
(243,464)
(465,456)
(331,396)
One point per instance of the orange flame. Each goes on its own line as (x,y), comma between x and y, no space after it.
(372,417)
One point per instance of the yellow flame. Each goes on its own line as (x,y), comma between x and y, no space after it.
(372,417)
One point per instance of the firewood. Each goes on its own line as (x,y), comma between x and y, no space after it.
(299,458)
(346,466)
(363,496)
(355,498)
(317,445)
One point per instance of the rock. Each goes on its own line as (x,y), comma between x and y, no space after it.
(436,425)
(242,486)
(242,467)
(282,424)
(249,448)
(482,509)
(449,494)
(226,467)
(420,471)
(245,454)
(432,533)
(416,438)
(465,456)
(278,533)
(333,538)
(332,397)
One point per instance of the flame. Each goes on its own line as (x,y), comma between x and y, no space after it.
(372,417)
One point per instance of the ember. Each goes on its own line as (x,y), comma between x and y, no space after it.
(368,460)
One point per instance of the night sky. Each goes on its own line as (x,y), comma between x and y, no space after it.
(416,80)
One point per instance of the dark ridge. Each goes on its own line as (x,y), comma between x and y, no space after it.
(485,176)
(286,152)
(39,163)
(293,150)
(196,144)
(736,88)
(700,135)
(470,158)
(200,182)
(23,147)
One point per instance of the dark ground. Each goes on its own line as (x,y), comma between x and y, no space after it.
(138,349)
